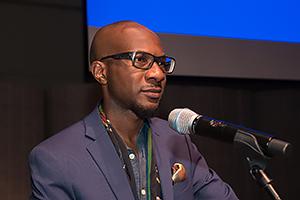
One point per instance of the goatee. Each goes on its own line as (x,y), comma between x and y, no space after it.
(144,113)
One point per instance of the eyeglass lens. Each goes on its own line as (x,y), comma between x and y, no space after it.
(144,61)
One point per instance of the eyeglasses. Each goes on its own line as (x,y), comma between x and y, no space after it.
(144,60)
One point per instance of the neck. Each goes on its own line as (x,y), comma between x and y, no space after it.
(125,122)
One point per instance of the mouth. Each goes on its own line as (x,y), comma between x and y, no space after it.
(152,93)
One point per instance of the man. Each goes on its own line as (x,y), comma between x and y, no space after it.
(118,151)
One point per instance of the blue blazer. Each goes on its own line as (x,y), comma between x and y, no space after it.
(81,163)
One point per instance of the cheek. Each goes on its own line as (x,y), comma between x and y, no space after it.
(125,85)
(164,83)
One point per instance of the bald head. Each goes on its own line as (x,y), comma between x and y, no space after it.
(121,37)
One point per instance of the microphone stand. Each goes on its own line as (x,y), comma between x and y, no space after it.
(257,161)
(262,179)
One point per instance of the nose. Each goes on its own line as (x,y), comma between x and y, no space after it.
(155,73)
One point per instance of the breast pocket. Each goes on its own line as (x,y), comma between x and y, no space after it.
(183,190)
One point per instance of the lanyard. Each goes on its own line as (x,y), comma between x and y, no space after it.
(148,163)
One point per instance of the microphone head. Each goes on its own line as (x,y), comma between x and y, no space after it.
(181,120)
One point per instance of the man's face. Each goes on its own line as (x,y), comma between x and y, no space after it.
(136,89)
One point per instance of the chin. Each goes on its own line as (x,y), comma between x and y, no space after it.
(151,106)
(146,111)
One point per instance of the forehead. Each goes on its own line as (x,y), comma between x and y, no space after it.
(141,39)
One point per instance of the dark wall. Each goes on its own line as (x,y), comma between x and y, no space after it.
(42,42)
(21,127)
(42,87)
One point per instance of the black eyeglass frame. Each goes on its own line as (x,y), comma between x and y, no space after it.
(131,56)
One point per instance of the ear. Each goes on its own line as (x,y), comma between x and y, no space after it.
(98,70)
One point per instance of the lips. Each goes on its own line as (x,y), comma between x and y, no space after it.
(153,93)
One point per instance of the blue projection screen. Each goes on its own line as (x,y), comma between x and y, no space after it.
(237,39)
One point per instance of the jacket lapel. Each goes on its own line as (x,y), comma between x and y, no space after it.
(104,155)
(163,163)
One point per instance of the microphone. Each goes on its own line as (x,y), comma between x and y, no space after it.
(185,121)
